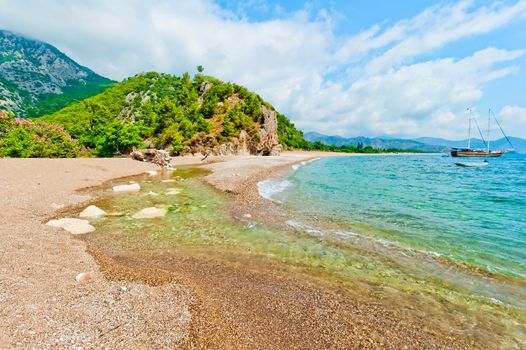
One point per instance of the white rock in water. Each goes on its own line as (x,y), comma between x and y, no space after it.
(173,191)
(149,213)
(151,172)
(127,188)
(74,226)
(83,277)
(92,212)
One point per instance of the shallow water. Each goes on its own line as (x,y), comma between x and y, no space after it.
(197,222)
(471,215)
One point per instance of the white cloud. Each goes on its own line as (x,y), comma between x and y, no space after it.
(514,120)
(381,87)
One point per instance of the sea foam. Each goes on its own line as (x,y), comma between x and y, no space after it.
(269,188)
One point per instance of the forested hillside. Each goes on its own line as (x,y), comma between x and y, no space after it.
(181,114)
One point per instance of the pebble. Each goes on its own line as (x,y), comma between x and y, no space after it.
(84,277)
(92,212)
(151,172)
(248,216)
(169,180)
(57,206)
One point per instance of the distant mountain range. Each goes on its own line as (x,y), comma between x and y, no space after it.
(424,144)
(36,78)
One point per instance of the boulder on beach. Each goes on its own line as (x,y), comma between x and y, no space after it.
(155,156)
(72,225)
(127,188)
(92,212)
(149,213)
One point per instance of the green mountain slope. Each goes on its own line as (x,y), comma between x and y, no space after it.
(36,78)
(181,114)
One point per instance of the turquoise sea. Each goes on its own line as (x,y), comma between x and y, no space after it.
(475,216)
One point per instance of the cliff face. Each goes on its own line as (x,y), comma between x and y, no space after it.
(36,78)
(263,142)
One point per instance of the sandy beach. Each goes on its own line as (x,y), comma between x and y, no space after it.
(169,302)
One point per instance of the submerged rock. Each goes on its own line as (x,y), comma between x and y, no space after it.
(149,213)
(127,188)
(92,212)
(115,213)
(74,226)
(173,191)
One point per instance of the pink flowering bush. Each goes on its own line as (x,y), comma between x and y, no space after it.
(36,139)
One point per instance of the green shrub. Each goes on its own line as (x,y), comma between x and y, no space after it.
(27,138)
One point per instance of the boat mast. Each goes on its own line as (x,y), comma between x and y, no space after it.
(469,130)
(503,133)
(489,118)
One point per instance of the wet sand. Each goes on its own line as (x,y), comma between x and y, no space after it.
(205,300)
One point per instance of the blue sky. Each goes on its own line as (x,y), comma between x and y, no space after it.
(372,68)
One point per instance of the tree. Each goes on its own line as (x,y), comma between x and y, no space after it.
(200,69)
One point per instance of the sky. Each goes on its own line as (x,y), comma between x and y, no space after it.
(340,67)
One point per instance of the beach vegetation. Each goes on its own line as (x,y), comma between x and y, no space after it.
(34,138)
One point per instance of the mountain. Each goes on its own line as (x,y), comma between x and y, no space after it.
(181,114)
(379,143)
(36,78)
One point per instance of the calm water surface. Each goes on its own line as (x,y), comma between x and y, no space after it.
(470,215)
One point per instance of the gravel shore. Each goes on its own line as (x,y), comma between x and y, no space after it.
(42,306)
(186,300)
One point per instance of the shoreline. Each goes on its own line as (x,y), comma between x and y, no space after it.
(237,177)
(39,264)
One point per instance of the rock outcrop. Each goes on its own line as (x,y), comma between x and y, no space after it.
(268,142)
(159,157)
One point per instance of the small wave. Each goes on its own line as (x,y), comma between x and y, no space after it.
(269,188)
(303,163)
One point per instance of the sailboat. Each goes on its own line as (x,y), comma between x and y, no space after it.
(472,152)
